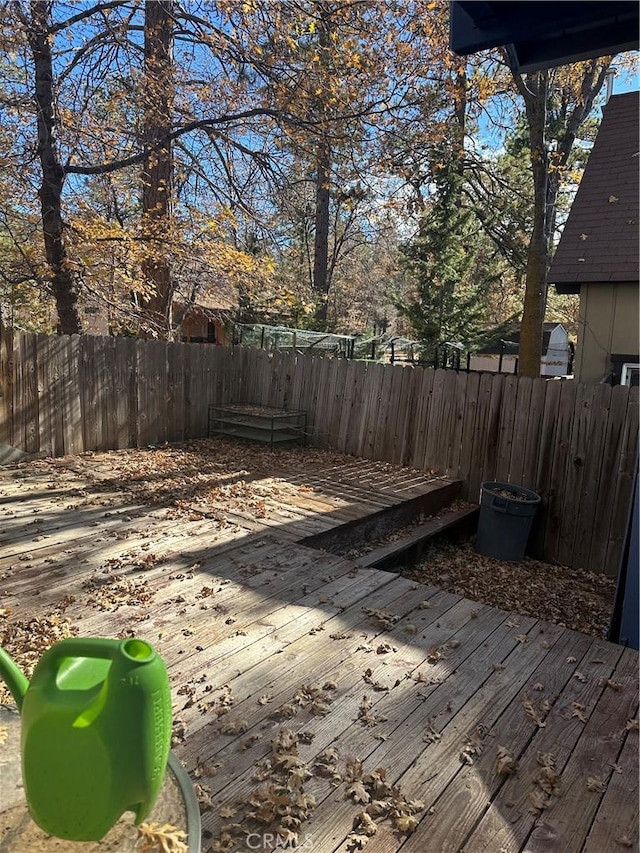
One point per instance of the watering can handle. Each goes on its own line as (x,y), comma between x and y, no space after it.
(83,647)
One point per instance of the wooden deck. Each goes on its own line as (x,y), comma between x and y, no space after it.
(312,695)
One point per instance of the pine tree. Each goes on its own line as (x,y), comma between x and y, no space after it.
(450,267)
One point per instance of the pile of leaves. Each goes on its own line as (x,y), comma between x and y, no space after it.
(572,598)
(26,640)
(280,804)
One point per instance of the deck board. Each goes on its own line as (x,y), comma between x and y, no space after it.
(246,618)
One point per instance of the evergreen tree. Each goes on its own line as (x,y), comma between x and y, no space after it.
(450,267)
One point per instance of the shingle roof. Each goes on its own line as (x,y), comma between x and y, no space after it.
(600,238)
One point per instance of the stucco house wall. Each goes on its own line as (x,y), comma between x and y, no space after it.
(609,316)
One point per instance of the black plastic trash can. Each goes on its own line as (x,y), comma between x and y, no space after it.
(506,516)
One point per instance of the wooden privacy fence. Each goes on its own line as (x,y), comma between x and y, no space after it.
(574,444)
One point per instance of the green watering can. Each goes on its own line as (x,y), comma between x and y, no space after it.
(96,733)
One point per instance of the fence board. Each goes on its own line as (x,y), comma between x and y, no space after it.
(472,491)
(444,429)
(376,372)
(337,400)
(349,397)
(110,394)
(45,389)
(296,383)
(317,398)
(455,445)
(624,485)
(102,397)
(384,413)
(286,387)
(431,460)
(534,433)
(392,404)
(420,443)
(465,465)
(613,443)
(88,374)
(559,466)
(591,471)
(273,381)
(575,471)
(400,440)
(71,403)
(506,428)
(541,461)
(489,463)
(521,420)
(125,382)
(176,422)
(6,387)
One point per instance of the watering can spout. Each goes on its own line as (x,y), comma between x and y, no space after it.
(13,677)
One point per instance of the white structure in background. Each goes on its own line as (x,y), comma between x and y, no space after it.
(556,360)
(501,355)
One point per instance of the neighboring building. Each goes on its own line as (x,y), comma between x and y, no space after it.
(204,322)
(597,256)
(501,354)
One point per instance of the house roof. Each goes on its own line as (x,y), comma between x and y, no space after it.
(511,337)
(599,242)
(539,36)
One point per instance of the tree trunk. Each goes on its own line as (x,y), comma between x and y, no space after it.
(63,283)
(321,241)
(157,170)
(538,250)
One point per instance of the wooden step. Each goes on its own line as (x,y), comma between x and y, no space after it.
(409,548)
(436,495)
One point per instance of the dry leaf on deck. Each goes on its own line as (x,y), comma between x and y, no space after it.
(595,784)
(578,712)
(358,793)
(356,842)
(406,823)
(234,727)
(505,763)
(227,812)
(607,682)
(363,823)
(160,839)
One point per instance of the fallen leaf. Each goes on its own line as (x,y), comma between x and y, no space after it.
(595,784)
(227,812)
(166,838)
(505,763)
(607,682)
(358,793)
